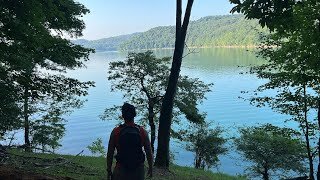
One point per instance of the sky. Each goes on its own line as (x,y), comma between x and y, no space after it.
(109,18)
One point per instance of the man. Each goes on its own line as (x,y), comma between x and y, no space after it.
(128,139)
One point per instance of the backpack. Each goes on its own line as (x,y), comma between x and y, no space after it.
(130,154)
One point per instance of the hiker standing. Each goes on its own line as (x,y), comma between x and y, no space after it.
(128,139)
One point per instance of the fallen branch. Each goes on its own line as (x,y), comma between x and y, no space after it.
(80,153)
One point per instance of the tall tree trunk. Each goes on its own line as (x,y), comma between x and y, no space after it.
(311,171)
(318,172)
(26,119)
(151,123)
(162,159)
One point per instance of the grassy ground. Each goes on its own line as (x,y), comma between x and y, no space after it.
(87,167)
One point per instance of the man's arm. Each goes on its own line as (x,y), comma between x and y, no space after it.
(147,149)
(111,147)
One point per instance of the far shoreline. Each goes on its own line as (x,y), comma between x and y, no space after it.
(191,47)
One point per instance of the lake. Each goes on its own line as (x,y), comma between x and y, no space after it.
(225,67)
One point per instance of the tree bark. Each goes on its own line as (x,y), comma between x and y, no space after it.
(311,171)
(197,160)
(318,172)
(162,159)
(151,123)
(26,120)
(265,174)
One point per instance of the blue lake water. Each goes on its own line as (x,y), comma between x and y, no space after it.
(224,67)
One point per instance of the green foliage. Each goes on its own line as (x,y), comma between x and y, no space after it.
(190,93)
(9,109)
(32,43)
(51,97)
(142,78)
(273,13)
(206,143)
(206,32)
(271,149)
(140,72)
(293,66)
(97,147)
(209,31)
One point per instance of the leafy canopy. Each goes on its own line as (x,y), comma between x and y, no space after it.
(271,148)
(143,77)
(31,42)
(292,54)
(207,144)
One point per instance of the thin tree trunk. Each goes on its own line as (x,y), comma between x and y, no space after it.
(162,159)
(311,171)
(151,114)
(197,160)
(318,172)
(151,123)
(265,174)
(26,120)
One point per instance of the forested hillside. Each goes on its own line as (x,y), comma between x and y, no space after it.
(105,44)
(227,30)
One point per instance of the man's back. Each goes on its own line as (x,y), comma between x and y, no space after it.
(129,139)
(129,142)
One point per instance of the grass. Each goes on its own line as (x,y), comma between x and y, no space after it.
(188,173)
(88,167)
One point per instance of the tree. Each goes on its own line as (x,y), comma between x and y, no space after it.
(318,172)
(162,158)
(206,143)
(97,148)
(271,149)
(293,60)
(31,41)
(9,109)
(47,99)
(142,78)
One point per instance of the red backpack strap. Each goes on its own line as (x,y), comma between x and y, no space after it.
(116,135)
(142,135)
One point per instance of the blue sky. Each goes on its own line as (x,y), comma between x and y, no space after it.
(117,17)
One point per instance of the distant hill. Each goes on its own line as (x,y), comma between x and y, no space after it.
(227,30)
(106,44)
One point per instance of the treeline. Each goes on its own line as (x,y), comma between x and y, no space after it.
(105,44)
(211,31)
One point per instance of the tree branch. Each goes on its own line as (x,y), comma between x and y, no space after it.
(144,89)
(190,51)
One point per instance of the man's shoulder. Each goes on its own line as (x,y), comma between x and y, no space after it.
(116,129)
(140,127)
(143,131)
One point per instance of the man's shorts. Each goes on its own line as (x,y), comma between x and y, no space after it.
(121,173)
